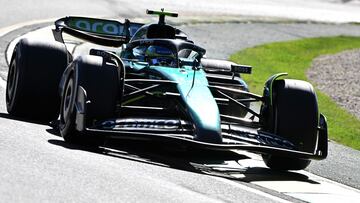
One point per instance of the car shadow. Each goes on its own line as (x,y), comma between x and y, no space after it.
(139,153)
(172,156)
(15,118)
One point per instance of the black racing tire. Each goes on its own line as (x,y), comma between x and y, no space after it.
(285,163)
(33,79)
(101,84)
(296,117)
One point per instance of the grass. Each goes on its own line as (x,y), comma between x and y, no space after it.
(295,57)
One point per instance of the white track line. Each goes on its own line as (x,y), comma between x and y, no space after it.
(6,30)
(252,190)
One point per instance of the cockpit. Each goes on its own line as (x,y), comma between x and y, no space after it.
(163,52)
(155,55)
(161,44)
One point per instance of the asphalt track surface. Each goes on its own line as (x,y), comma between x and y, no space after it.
(37,165)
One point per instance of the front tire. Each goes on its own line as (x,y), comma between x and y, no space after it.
(100,81)
(295,118)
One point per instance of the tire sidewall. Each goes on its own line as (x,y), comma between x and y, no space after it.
(283,111)
(37,66)
(12,84)
(90,73)
(67,122)
(18,63)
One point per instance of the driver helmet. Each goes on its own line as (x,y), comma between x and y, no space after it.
(159,55)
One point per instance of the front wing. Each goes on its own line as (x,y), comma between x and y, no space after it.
(235,137)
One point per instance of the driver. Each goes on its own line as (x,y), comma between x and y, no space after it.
(160,56)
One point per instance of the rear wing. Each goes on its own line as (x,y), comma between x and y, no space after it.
(99,31)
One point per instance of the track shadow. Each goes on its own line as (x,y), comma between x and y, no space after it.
(176,157)
(140,152)
(75,147)
(53,132)
(266,174)
(253,174)
(8,116)
(172,156)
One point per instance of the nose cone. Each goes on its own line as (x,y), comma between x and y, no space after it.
(198,100)
(204,112)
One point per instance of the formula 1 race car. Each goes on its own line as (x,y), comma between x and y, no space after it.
(158,85)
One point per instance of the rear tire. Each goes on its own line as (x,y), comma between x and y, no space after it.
(33,79)
(296,119)
(100,81)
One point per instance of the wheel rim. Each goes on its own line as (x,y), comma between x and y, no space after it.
(68,100)
(12,81)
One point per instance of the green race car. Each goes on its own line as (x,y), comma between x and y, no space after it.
(158,85)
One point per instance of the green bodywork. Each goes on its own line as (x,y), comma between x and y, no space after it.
(197,97)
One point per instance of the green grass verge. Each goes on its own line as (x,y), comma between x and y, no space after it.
(295,57)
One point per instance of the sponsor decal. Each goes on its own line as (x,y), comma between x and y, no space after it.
(101,26)
(142,124)
(105,27)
